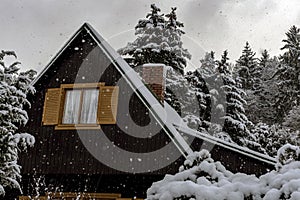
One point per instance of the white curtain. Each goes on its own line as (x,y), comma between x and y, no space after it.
(71,109)
(89,106)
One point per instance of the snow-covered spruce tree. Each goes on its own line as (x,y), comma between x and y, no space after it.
(217,97)
(260,100)
(264,100)
(246,68)
(289,74)
(158,41)
(178,55)
(184,99)
(148,44)
(264,59)
(199,80)
(236,121)
(14,87)
(255,97)
(221,101)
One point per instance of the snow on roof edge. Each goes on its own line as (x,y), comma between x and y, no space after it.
(228,145)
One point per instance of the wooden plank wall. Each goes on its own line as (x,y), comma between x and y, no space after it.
(61,151)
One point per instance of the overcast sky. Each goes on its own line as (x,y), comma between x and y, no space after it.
(36,30)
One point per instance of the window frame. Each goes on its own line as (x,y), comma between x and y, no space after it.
(79,86)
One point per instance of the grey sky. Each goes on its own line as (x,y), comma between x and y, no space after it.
(36,30)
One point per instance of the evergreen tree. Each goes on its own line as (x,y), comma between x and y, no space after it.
(236,121)
(256,96)
(289,74)
(199,80)
(222,100)
(268,95)
(14,87)
(246,67)
(214,83)
(265,57)
(148,44)
(158,41)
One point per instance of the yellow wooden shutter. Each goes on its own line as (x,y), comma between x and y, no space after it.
(108,104)
(51,106)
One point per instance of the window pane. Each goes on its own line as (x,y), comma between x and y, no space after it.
(71,109)
(89,106)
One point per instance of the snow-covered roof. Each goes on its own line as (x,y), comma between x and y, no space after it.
(232,146)
(165,115)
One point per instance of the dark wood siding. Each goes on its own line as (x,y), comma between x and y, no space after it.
(62,151)
(233,160)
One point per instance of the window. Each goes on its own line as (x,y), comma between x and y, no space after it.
(80,106)
(83,106)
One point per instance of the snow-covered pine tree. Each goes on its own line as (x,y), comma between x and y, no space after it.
(158,41)
(14,87)
(146,47)
(199,82)
(255,97)
(246,68)
(217,97)
(265,99)
(236,121)
(178,55)
(221,100)
(289,74)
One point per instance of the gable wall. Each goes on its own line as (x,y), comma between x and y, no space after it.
(61,151)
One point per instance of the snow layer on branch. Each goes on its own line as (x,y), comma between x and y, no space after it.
(202,178)
(14,87)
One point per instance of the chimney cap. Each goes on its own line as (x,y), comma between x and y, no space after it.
(157,65)
(154,65)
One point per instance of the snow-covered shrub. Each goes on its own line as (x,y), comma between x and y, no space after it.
(283,183)
(271,138)
(14,87)
(201,177)
(287,154)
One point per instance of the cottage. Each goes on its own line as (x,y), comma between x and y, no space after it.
(101,127)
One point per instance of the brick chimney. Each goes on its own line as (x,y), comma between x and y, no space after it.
(154,75)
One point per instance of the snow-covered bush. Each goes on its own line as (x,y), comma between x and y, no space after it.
(287,154)
(14,87)
(272,138)
(202,178)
